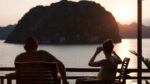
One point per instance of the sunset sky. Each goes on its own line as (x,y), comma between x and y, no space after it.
(125,11)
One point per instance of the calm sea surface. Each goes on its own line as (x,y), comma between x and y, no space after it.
(75,56)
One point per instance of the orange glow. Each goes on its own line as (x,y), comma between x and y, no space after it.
(123,15)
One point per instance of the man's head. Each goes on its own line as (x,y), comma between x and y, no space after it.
(108,46)
(31,44)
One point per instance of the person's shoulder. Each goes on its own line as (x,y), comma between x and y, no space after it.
(42,51)
(114,57)
(21,55)
(46,54)
(104,61)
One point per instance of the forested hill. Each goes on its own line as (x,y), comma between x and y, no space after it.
(67,22)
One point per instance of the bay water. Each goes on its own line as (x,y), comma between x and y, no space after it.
(76,56)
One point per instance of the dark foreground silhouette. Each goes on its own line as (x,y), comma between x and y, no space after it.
(108,65)
(33,55)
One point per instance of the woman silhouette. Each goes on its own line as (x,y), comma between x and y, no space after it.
(109,64)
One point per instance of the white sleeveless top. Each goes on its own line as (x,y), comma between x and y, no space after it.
(108,72)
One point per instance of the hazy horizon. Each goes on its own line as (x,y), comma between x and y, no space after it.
(125,11)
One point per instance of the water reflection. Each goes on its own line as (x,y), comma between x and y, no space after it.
(123,51)
(123,48)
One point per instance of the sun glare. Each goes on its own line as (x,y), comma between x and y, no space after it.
(123,16)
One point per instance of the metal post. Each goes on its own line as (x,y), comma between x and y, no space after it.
(139,44)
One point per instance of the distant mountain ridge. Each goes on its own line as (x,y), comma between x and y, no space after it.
(67,22)
(5,31)
(130,31)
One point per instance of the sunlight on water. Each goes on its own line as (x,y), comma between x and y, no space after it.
(76,55)
(123,49)
(70,55)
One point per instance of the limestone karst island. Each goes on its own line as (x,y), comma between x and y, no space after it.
(67,22)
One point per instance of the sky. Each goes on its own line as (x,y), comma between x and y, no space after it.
(125,11)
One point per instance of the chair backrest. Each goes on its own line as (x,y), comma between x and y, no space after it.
(36,73)
(122,76)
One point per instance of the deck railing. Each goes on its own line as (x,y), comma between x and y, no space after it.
(78,70)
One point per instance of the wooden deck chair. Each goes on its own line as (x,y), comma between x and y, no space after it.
(37,73)
(123,74)
(121,78)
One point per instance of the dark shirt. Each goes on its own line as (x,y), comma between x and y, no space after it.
(42,56)
(35,56)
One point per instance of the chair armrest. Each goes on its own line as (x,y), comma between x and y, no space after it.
(11,75)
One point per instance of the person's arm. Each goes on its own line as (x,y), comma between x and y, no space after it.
(61,68)
(119,61)
(94,63)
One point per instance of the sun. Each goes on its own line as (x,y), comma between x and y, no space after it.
(123,16)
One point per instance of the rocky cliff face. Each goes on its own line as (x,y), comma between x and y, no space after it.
(67,22)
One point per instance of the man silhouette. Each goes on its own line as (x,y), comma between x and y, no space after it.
(32,54)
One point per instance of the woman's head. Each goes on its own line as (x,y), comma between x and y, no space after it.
(108,46)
